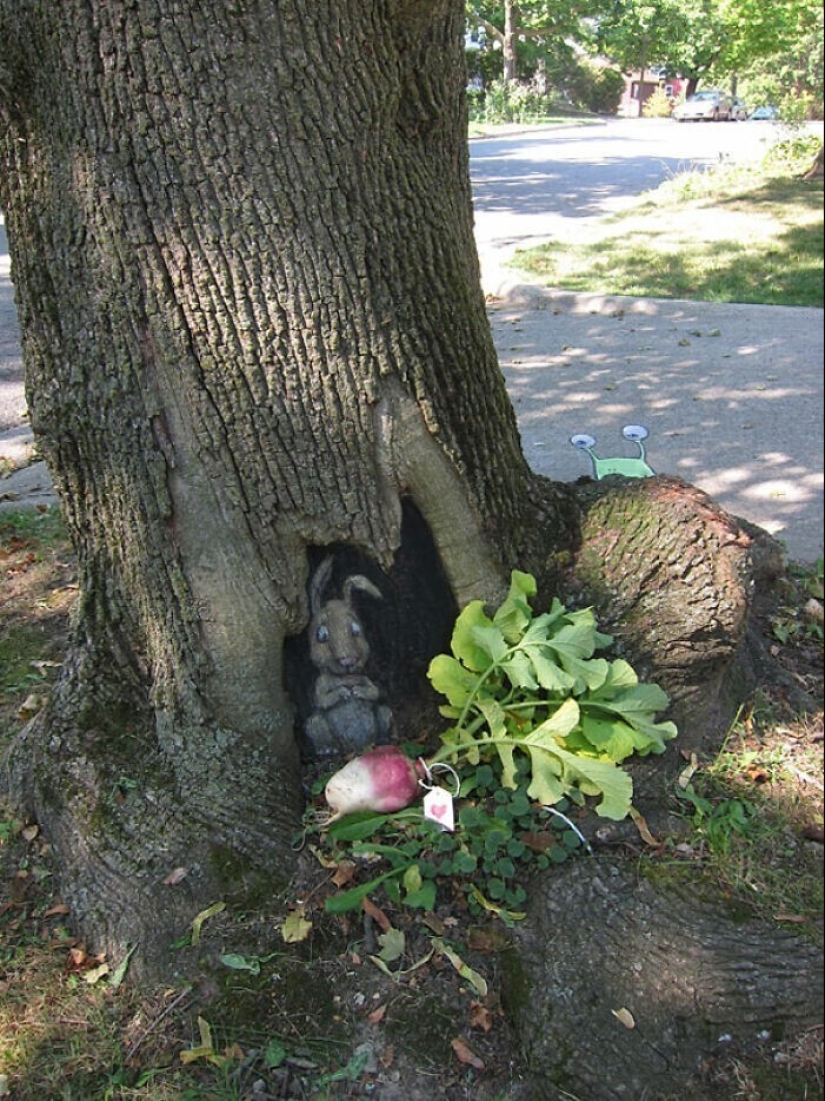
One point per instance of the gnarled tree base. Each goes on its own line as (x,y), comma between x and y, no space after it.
(622,988)
(673,578)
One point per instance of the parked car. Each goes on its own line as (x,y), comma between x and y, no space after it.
(762,114)
(707,106)
(739,111)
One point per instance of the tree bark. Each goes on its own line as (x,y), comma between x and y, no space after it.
(623,986)
(254,333)
(672,575)
(247,284)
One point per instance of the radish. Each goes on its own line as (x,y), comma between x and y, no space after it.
(382,780)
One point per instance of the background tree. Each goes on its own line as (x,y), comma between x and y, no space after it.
(254,335)
(685,39)
(514,31)
(717,40)
(778,55)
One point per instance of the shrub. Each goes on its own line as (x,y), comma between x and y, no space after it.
(658,106)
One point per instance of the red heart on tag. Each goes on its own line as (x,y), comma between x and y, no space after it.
(438,810)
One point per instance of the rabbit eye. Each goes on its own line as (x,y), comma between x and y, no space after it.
(355,628)
(322,634)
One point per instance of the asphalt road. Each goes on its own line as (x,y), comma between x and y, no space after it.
(553,183)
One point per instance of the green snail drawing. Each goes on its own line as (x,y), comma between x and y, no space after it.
(633,467)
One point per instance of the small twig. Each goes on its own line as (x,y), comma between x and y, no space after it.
(187,990)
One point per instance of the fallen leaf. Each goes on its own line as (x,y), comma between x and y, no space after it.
(28,833)
(175,876)
(789,917)
(758,774)
(119,973)
(325,861)
(488,939)
(204,915)
(237,962)
(58,909)
(295,927)
(344,873)
(205,1050)
(435,924)
(478,982)
(77,958)
(95,974)
(403,973)
(644,832)
(387,1057)
(624,1017)
(377,1015)
(376,913)
(480,1017)
(686,775)
(537,842)
(464,1054)
(507,916)
(30,706)
(393,943)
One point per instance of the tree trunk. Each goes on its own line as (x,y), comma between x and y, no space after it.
(623,987)
(254,336)
(509,41)
(247,284)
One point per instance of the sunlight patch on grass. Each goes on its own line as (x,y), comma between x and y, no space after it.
(751,808)
(727,236)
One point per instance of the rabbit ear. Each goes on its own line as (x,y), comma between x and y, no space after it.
(358,581)
(318,584)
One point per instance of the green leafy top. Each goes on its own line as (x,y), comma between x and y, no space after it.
(529,683)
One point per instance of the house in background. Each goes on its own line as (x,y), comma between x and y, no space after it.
(637,91)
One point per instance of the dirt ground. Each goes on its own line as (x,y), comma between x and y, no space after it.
(330,1012)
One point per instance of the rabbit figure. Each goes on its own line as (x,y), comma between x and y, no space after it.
(347,714)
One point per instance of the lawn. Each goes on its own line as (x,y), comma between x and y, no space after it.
(734,233)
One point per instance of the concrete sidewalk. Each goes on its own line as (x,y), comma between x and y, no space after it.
(732,396)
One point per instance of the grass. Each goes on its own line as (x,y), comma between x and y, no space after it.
(734,233)
(750,814)
(478,128)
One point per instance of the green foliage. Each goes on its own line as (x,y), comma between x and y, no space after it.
(800,618)
(774,51)
(545,36)
(510,102)
(792,76)
(717,821)
(500,834)
(668,246)
(581,87)
(792,154)
(539,723)
(595,88)
(657,106)
(747,820)
(524,687)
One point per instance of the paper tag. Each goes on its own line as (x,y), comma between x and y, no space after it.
(438,807)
